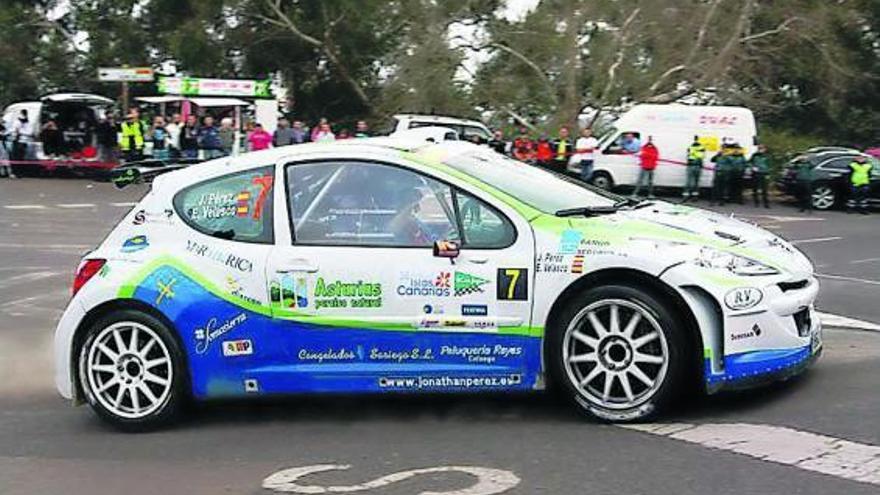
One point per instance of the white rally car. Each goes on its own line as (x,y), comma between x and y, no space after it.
(383,265)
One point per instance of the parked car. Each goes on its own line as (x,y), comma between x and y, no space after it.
(389,266)
(831,177)
(465,128)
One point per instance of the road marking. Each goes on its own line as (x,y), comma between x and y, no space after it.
(866,260)
(24,207)
(818,239)
(848,279)
(844,322)
(782,219)
(44,246)
(26,277)
(76,205)
(489,481)
(803,450)
(123,205)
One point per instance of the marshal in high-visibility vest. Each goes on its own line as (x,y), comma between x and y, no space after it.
(131,131)
(861,173)
(696,152)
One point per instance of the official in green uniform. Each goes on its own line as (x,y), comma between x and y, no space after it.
(804,181)
(860,183)
(695,154)
(735,173)
(719,180)
(760,164)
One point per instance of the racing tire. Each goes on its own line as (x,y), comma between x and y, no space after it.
(602,180)
(132,371)
(618,353)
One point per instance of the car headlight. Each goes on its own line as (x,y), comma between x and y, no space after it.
(740,265)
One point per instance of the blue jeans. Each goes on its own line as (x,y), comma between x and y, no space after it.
(586,170)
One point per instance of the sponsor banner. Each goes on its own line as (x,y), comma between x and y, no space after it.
(126,74)
(197,86)
(242,347)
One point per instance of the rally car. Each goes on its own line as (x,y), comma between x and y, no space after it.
(384,265)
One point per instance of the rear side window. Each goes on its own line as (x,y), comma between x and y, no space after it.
(235,207)
(840,164)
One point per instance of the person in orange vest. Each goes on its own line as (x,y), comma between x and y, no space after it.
(649,155)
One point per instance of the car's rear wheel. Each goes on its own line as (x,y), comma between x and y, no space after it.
(824,197)
(131,371)
(602,180)
(619,353)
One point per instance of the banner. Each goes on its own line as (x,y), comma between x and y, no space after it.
(125,74)
(196,86)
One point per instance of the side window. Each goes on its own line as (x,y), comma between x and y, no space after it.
(483,226)
(837,164)
(625,143)
(368,204)
(236,206)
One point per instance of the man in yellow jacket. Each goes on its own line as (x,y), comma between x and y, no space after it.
(131,137)
(860,183)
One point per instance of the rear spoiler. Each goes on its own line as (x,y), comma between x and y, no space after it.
(146,170)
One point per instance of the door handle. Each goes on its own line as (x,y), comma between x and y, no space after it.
(298,266)
(479,260)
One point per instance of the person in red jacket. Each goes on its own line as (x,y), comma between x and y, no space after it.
(544,151)
(523,148)
(648,158)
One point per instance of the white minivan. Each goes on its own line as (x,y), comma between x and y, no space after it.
(672,129)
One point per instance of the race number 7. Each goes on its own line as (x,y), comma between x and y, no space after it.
(513,284)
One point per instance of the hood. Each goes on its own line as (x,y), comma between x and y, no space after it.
(678,233)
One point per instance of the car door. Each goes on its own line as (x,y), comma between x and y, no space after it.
(368,298)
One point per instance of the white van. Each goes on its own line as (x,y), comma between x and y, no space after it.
(672,129)
(75,113)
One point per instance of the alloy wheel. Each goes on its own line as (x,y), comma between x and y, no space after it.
(615,354)
(129,369)
(823,198)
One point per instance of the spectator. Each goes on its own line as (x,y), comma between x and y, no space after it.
(209,139)
(736,172)
(523,148)
(631,143)
(283,135)
(544,151)
(585,149)
(324,134)
(227,136)
(317,128)
(105,132)
(497,142)
(299,133)
(52,139)
(159,136)
(361,129)
(173,129)
(189,137)
(259,139)
(720,187)
(760,164)
(131,137)
(22,135)
(343,134)
(5,171)
(562,149)
(648,158)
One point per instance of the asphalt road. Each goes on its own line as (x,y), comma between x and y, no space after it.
(49,447)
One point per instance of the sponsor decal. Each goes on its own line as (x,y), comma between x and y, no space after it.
(577,264)
(454,322)
(233,286)
(238,348)
(551,263)
(401,356)
(246,203)
(483,354)
(754,332)
(213,330)
(142,217)
(569,241)
(474,310)
(135,244)
(291,292)
(449,382)
(442,284)
(513,284)
(329,354)
(166,290)
(242,204)
(743,298)
(429,309)
(218,255)
(104,271)
(343,294)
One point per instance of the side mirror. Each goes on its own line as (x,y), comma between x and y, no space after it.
(446,249)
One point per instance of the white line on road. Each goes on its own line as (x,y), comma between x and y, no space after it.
(845,322)
(24,207)
(803,450)
(818,239)
(489,480)
(76,205)
(38,246)
(783,219)
(848,279)
(123,205)
(26,277)
(866,260)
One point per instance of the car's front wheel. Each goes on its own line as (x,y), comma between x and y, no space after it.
(823,197)
(618,353)
(131,371)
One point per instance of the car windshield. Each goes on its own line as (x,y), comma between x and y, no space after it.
(541,189)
